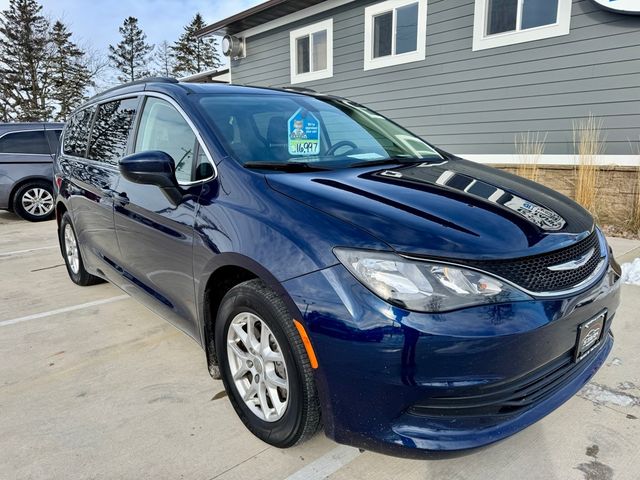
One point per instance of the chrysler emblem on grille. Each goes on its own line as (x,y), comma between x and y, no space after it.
(573,264)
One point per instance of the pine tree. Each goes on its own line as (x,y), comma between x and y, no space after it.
(70,76)
(24,55)
(163,60)
(193,54)
(131,55)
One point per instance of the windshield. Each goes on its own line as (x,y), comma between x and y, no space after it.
(295,129)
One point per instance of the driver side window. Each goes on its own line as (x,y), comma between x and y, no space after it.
(163,128)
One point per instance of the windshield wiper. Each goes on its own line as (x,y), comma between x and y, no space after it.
(284,166)
(386,161)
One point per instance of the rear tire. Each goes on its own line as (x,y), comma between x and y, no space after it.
(72,257)
(268,367)
(33,201)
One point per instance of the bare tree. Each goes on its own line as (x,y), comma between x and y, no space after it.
(163,60)
(100,71)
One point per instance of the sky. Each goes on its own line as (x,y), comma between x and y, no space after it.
(95,23)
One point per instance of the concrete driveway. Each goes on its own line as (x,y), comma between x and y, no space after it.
(93,385)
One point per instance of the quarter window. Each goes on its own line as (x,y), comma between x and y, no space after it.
(395,33)
(312,52)
(163,128)
(76,134)
(31,142)
(111,129)
(505,22)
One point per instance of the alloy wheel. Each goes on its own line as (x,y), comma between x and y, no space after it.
(71,249)
(37,201)
(258,367)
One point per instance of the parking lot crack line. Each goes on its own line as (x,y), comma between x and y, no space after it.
(71,308)
(241,463)
(47,268)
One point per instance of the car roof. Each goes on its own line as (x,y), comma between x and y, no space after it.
(18,126)
(161,84)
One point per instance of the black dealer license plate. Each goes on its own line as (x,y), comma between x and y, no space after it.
(589,335)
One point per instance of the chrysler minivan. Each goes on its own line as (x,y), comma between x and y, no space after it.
(340,272)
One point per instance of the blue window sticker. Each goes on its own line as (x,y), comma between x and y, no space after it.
(304,133)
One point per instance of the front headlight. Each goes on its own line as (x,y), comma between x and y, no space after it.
(425,286)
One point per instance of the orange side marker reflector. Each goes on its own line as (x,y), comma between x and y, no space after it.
(307,344)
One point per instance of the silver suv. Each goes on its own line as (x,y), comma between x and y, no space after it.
(26,168)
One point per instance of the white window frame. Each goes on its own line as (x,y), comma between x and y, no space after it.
(309,30)
(372,11)
(481,41)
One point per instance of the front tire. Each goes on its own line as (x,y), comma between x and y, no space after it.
(33,201)
(265,367)
(71,252)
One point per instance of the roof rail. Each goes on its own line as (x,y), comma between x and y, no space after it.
(156,80)
(136,82)
(300,89)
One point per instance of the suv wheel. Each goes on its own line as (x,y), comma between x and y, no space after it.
(34,201)
(71,253)
(265,367)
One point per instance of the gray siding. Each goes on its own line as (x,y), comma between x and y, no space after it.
(477,102)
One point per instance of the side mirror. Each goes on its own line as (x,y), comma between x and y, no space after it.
(153,167)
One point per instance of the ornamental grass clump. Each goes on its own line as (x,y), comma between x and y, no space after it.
(530,147)
(634,221)
(588,141)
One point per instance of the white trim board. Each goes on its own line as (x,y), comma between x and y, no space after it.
(309,31)
(293,17)
(419,54)
(482,41)
(619,160)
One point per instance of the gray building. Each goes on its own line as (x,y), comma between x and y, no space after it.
(467,75)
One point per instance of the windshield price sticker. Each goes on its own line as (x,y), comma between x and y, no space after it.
(304,136)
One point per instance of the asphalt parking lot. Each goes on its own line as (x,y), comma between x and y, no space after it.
(93,385)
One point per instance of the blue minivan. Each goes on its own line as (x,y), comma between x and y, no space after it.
(339,272)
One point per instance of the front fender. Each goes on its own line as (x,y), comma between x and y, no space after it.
(242,222)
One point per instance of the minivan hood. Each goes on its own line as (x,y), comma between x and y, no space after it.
(448,208)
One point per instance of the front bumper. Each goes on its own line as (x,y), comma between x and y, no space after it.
(407,383)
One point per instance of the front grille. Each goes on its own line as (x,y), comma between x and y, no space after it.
(509,398)
(533,274)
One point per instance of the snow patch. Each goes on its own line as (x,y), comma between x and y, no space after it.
(602,395)
(616,361)
(631,272)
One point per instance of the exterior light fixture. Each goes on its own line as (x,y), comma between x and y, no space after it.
(233,47)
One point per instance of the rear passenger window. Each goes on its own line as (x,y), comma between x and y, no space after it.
(27,142)
(163,128)
(53,138)
(76,134)
(111,128)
